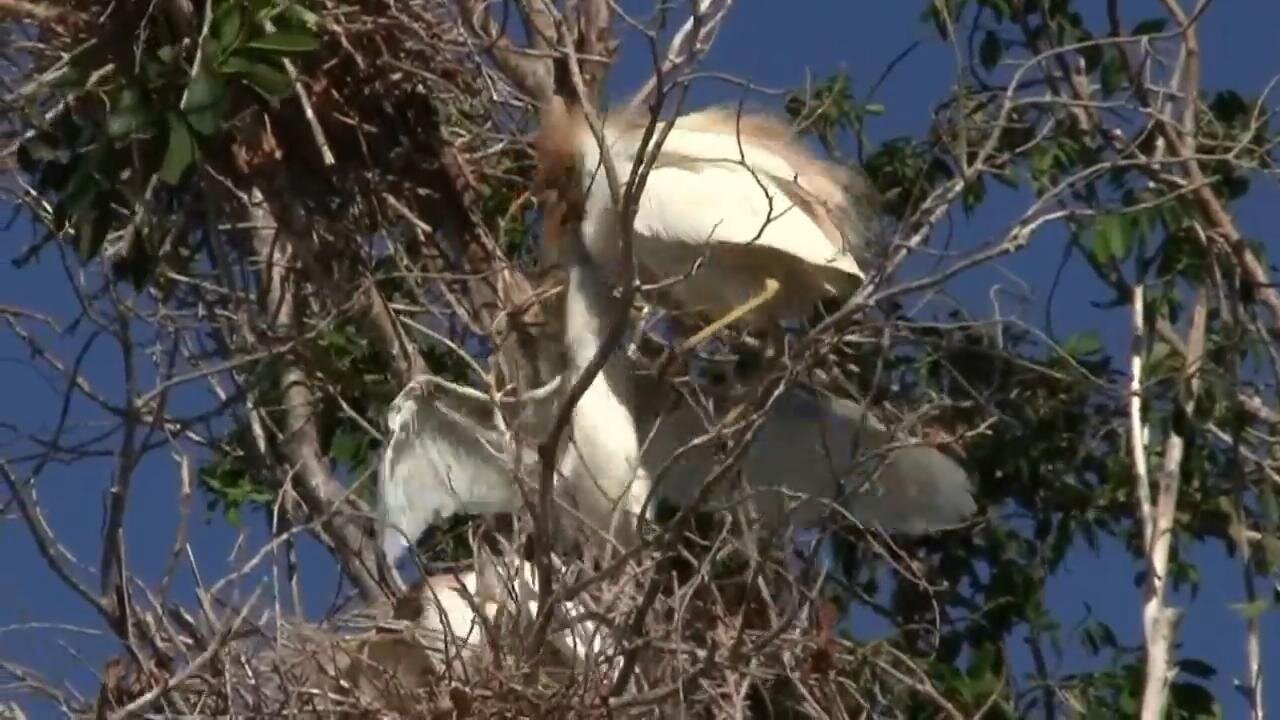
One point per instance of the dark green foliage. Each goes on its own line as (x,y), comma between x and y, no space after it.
(829,111)
(904,172)
(99,159)
(231,485)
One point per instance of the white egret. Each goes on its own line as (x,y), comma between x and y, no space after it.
(763,230)
(424,473)
(601,461)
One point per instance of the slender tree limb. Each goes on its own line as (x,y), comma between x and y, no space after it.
(321,493)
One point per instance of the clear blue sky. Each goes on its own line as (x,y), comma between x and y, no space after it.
(775,44)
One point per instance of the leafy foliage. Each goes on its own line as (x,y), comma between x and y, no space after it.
(1056,459)
(127,134)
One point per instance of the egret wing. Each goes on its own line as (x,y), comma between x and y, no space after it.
(703,203)
(438,461)
(812,449)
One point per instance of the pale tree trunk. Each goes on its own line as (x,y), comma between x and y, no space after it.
(1158,512)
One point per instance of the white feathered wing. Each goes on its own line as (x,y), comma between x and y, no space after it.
(739,195)
(811,449)
(438,461)
(442,461)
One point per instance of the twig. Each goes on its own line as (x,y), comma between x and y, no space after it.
(689,43)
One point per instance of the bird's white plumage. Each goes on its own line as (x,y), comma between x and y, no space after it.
(513,588)
(457,610)
(744,199)
(742,194)
(438,462)
(724,204)
(813,449)
(450,623)
(722,190)
(601,461)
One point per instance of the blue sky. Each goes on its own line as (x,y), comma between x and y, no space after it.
(775,44)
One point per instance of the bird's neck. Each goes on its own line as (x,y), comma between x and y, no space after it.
(558,146)
(589,309)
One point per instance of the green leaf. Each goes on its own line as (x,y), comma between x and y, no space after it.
(81,188)
(40,150)
(126,123)
(1150,27)
(92,227)
(1234,186)
(1251,610)
(301,15)
(1174,214)
(271,83)
(129,114)
(1083,344)
(206,90)
(206,121)
(1113,238)
(1112,77)
(1269,506)
(1228,107)
(73,77)
(933,13)
(169,53)
(344,446)
(181,151)
(287,41)
(54,176)
(1092,55)
(1197,668)
(28,162)
(206,102)
(1157,363)
(999,8)
(227,23)
(1194,699)
(972,195)
(990,50)
(1271,551)
(140,262)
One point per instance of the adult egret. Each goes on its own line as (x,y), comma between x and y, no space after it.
(776,227)
(600,460)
